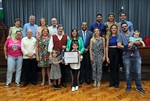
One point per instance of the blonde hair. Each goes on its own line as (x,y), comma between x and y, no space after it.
(136,31)
(94,37)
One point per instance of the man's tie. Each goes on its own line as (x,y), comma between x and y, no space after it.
(84,38)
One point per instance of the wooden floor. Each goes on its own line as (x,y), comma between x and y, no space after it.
(85,93)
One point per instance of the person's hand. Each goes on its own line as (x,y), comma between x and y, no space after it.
(50,57)
(55,63)
(6,57)
(91,58)
(107,59)
(37,58)
(63,47)
(8,37)
(103,59)
(85,50)
(130,44)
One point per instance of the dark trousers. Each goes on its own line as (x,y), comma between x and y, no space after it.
(85,70)
(75,76)
(63,72)
(113,54)
(29,70)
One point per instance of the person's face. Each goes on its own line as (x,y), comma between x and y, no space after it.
(136,35)
(123,17)
(98,18)
(18,35)
(75,46)
(54,22)
(32,20)
(111,18)
(124,27)
(17,23)
(43,23)
(84,26)
(54,54)
(97,32)
(29,34)
(74,33)
(45,32)
(114,30)
(60,30)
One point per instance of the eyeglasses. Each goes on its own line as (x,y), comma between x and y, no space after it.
(123,26)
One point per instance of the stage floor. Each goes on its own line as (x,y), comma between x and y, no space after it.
(86,92)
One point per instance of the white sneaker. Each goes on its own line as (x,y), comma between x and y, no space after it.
(73,89)
(98,84)
(77,87)
(18,84)
(94,84)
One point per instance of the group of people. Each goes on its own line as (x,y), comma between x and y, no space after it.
(43,46)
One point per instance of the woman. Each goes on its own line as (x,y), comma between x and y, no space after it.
(13,54)
(111,21)
(43,25)
(75,38)
(97,56)
(112,57)
(42,54)
(28,46)
(12,30)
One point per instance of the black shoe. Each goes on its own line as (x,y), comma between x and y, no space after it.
(111,86)
(25,84)
(55,86)
(34,83)
(141,90)
(88,82)
(58,87)
(81,82)
(64,85)
(116,86)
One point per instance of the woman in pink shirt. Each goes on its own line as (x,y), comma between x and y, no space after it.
(13,55)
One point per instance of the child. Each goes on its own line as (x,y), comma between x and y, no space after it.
(97,56)
(136,37)
(75,68)
(55,72)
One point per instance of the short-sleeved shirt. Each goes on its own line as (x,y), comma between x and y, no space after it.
(13,48)
(133,39)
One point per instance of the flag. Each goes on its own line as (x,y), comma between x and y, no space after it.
(1,10)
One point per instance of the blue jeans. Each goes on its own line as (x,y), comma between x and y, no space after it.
(14,64)
(135,64)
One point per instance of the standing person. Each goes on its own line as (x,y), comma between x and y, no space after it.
(55,72)
(13,55)
(43,25)
(97,56)
(12,30)
(42,54)
(98,24)
(53,28)
(112,57)
(31,25)
(85,70)
(123,18)
(129,62)
(75,68)
(57,42)
(75,38)
(28,47)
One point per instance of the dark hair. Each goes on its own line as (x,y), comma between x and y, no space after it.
(123,13)
(60,25)
(75,42)
(18,31)
(72,31)
(44,20)
(124,23)
(99,15)
(43,30)
(111,14)
(17,19)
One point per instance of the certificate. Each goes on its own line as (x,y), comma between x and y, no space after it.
(71,57)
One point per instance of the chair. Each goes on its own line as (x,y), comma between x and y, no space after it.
(147,42)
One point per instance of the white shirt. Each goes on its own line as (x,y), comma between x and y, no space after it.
(76,66)
(52,30)
(28,46)
(51,44)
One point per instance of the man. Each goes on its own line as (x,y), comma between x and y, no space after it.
(130,62)
(58,42)
(30,26)
(85,70)
(98,24)
(123,17)
(53,29)
(28,46)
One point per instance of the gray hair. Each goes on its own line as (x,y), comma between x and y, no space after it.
(31,16)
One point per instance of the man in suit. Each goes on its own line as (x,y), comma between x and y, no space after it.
(85,70)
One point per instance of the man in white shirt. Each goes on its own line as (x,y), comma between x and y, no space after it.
(53,29)
(28,47)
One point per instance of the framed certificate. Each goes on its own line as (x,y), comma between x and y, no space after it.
(71,57)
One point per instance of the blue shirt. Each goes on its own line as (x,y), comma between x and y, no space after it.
(130,25)
(113,41)
(101,26)
(28,26)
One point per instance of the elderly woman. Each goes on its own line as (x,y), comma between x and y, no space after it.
(42,54)
(28,46)
(12,30)
(13,54)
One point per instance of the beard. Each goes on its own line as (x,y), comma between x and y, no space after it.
(125,30)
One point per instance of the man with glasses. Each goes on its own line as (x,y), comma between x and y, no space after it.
(130,62)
